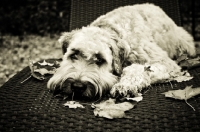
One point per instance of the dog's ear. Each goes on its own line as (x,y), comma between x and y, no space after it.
(120,52)
(65,38)
(117,63)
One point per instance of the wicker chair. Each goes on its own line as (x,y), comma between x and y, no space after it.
(29,106)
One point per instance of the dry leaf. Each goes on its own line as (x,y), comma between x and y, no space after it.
(182,58)
(44,63)
(190,63)
(156,69)
(184,94)
(44,71)
(73,104)
(137,99)
(41,68)
(110,110)
(32,68)
(110,113)
(183,78)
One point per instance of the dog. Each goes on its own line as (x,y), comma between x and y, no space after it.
(121,52)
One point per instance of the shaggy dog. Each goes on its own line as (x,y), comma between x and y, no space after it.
(122,52)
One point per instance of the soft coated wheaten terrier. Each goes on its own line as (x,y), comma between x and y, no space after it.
(121,52)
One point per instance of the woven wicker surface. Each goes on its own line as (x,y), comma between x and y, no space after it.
(84,12)
(29,106)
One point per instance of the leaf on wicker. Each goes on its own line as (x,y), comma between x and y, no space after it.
(44,63)
(184,94)
(109,109)
(73,104)
(188,63)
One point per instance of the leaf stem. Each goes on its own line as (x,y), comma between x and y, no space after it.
(26,79)
(73,96)
(189,105)
(171,84)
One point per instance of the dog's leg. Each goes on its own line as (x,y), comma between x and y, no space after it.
(137,76)
(133,79)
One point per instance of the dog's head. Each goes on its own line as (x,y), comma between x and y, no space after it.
(90,65)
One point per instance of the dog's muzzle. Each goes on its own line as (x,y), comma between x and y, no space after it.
(77,87)
(74,86)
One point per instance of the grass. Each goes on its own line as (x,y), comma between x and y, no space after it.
(14,54)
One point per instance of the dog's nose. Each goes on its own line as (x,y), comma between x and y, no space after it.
(78,87)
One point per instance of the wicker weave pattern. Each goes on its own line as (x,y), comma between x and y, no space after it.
(84,12)
(30,107)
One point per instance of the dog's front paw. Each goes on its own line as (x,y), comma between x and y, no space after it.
(133,80)
(127,88)
(119,90)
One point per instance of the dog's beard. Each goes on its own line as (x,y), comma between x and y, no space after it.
(92,81)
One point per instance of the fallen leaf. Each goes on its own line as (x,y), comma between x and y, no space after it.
(110,113)
(73,104)
(181,77)
(32,68)
(44,71)
(137,99)
(44,63)
(41,68)
(190,63)
(182,58)
(109,109)
(184,94)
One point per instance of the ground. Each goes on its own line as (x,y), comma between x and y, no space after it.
(14,54)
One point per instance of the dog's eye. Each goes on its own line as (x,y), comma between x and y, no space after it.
(99,61)
(74,57)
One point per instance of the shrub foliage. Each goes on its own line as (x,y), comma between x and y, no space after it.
(34,16)
(19,17)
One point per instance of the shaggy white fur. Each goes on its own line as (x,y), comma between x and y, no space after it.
(123,43)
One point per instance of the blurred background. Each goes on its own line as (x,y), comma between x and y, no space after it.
(30,29)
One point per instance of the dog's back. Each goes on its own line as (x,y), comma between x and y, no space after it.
(149,22)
